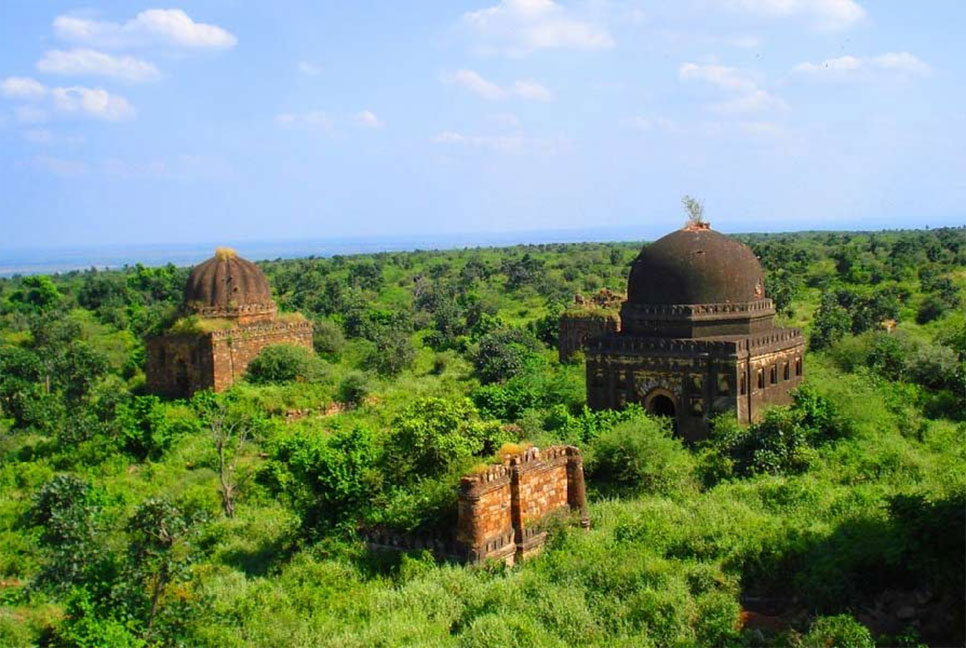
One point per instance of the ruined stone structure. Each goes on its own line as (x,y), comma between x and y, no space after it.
(587,319)
(501,508)
(228,317)
(697,336)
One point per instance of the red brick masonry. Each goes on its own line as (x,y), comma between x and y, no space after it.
(501,508)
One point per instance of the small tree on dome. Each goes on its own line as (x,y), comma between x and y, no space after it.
(695,211)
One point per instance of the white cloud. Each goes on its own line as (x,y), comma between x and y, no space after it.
(95,102)
(825,14)
(503,143)
(853,67)
(755,101)
(152,26)
(311,69)
(532,90)
(93,63)
(748,97)
(517,27)
(727,78)
(311,119)
(476,84)
(472,81)
(513,143)
(368,119)
(22,88)
(58,166)
(648,123)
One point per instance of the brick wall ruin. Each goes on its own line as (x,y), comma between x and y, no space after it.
(578,328)
(179,365)
(501,509)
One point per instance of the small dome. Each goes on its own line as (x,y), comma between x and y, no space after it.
(226,283)
(695,265)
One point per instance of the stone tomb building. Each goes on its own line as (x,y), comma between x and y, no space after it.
(228,317)
(697,336)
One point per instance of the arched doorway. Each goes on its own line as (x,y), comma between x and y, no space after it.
(661,405)
(660,402)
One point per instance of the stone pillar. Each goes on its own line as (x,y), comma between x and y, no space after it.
(576,489)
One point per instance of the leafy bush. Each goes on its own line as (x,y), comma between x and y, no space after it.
(642,453)
(354,388)
(327,338)
(433,434)
(503,353)
(841,631)
(326,480)
(281,363)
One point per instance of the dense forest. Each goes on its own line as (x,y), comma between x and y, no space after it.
(233,519)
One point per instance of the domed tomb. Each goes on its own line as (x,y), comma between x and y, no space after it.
(228,286)
(696,282)
(231,317)
(697,336)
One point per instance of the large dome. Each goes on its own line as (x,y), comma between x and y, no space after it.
(225,284)
(695,265)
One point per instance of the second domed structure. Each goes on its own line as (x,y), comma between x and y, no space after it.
(697,336)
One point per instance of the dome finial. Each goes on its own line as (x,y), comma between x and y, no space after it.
(695,211)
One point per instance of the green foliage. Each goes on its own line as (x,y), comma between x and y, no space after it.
(853,491)
(354,388)
(145,429)
(841,631)
(393,353)
(504,353)
(65,509)
(326,479)
(284,363)
(327,338)
(433,434)
(644,454)
(37,293)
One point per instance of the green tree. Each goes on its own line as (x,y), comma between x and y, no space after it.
(66,509)
(282,363)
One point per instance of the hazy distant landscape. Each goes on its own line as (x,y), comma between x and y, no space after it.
(483,324)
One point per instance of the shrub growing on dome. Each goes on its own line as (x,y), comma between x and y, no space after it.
(284,363)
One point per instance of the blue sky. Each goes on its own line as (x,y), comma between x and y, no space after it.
(132,123)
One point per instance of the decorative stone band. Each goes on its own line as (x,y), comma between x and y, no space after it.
(711,347)
(699,312)
(777,338)
(260,328)
(245,310)
(476,485)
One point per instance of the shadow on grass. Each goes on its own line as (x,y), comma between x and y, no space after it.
(905,570)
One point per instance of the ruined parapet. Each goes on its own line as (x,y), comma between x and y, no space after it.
(579,327)
(506,504)
(501,509)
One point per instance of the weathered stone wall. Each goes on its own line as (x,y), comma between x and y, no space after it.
(485,522)
(701,377)
(179,365)
(233,349)
(577,328)
(500,510)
